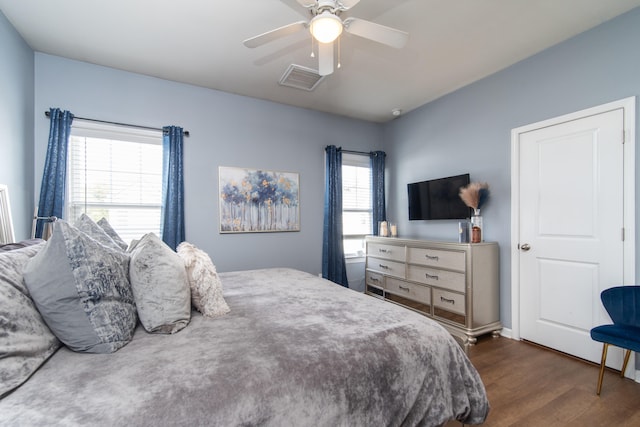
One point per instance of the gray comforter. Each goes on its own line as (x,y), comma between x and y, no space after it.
(295,350)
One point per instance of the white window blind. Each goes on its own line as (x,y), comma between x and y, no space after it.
(115,172)
(357,210)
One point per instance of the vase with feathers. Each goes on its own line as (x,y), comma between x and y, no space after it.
(475,196)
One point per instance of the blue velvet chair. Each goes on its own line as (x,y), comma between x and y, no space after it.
(623,305)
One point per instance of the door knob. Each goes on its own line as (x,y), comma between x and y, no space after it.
(525,247)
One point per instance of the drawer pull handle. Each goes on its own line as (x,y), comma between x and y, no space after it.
(431,276)
(450,301)
(404,288)
(431,257)
(374,279)
(384,251)
(384,267)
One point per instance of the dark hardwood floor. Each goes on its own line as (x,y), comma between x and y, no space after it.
(530,385)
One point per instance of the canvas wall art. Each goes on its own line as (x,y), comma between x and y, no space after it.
(255,200)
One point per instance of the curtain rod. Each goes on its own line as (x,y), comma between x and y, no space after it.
(364,153)
(47,113)
(355,152)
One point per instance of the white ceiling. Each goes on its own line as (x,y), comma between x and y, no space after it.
(451,43)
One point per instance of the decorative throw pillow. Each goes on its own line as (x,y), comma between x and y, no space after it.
(104,224)
(160,286)
(81,288)
(89,227)
(25,340)
(206,287)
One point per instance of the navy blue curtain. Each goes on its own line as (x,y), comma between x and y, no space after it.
(377,188)
(334,267)
(54,175)
(172,217)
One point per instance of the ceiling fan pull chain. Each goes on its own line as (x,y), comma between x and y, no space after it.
(339,44)
(313,55)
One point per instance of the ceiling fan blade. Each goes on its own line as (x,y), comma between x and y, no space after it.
(325,58)
(306,3)
(272,35)
(347,4)
(376,32)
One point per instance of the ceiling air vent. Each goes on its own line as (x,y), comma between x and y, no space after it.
(301,77)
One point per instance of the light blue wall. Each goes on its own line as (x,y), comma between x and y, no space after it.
(16,125)
(466,131)
(469,130)
(226,130)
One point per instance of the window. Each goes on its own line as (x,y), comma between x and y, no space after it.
(115,172)
(357,210)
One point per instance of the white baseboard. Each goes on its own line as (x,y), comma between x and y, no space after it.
(507,333)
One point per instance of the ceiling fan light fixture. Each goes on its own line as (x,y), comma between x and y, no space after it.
(326,27)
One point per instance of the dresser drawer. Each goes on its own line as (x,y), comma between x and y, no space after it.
(409,290)
(380,250)
(453,260)
(455,284)
(449,301)
(441,278)
(374,279)
(391,268)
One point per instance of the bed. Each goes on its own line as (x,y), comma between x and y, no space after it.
(295,350)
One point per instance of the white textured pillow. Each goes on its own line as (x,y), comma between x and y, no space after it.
(160,287)
(206,288)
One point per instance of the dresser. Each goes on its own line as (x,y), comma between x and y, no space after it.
(456,284)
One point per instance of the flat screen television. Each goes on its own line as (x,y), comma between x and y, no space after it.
(438,199)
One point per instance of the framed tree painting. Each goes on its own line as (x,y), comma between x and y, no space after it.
(255,200)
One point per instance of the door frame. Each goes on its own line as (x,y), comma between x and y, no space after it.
(628,105)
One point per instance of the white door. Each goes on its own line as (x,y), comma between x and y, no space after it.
(571,216)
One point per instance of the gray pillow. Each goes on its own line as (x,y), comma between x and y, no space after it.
(104,224)
(89,226)
(25,340)
(160,286)
(82,290)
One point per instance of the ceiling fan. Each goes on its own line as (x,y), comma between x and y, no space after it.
(326,26)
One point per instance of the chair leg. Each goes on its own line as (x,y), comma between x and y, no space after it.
(605,346)
(624,364)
